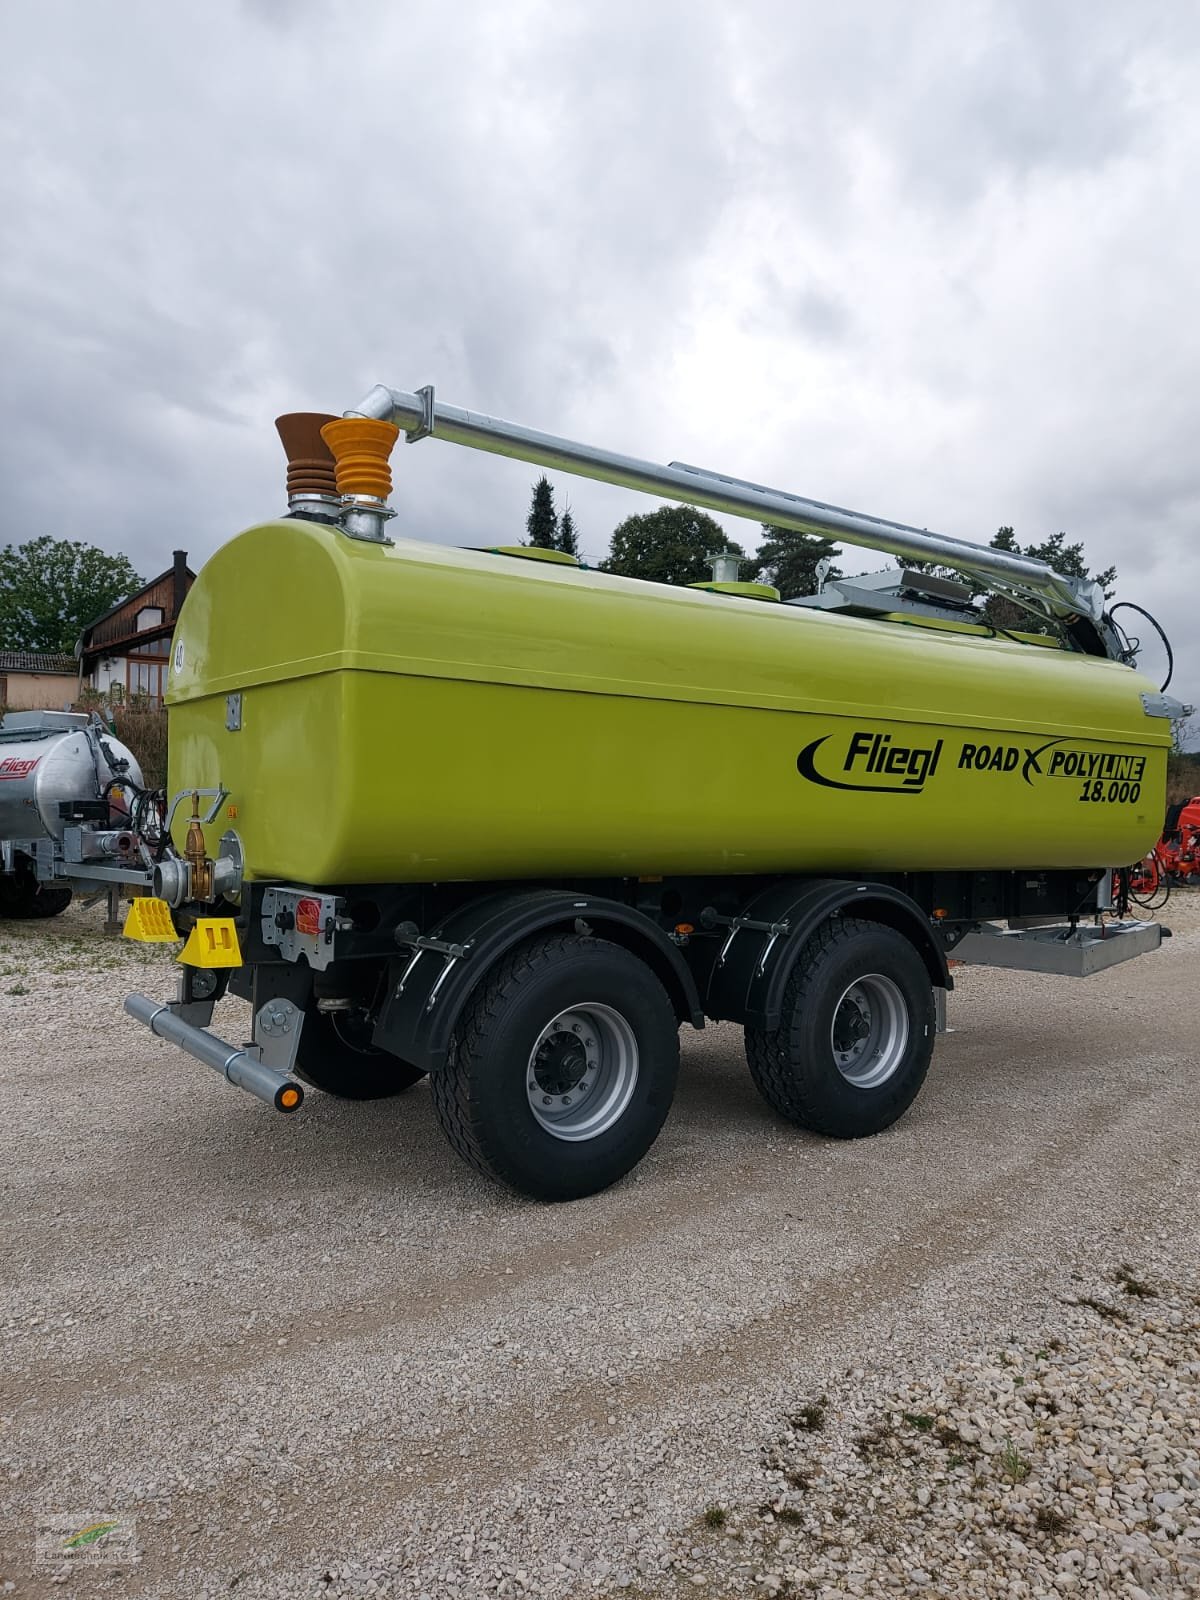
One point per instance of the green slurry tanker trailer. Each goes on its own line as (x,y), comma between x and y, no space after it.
(487,817)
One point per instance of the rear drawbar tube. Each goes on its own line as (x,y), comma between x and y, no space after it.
(236,1064)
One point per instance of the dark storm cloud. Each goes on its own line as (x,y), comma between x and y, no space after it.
(938,262)
(272,209)
(958,97)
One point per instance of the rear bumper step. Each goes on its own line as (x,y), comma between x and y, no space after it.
(240,1064)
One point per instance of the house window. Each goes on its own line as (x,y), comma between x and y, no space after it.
(148,678)
(149,617)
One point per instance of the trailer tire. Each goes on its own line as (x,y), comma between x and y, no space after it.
(24,898)
(561,1068)
(51,900)
(330,1059)
(857,1033)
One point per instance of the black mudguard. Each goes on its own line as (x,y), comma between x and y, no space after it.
(427,989)
(751,972)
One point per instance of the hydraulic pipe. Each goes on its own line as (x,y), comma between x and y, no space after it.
(420,416)
(237,1065)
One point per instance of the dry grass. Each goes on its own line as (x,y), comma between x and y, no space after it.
(140,726)
(144,730)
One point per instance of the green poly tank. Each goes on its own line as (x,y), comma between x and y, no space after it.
(416,713)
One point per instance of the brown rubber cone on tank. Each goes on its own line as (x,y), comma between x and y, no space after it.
(311,467)
(361,448)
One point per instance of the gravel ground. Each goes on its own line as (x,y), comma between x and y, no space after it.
(319,1356)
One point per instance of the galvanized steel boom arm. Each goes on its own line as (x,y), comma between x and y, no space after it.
(1031,583)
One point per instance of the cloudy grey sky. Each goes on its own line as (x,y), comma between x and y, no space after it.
(937,261)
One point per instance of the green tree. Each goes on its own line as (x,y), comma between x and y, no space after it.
(568,541)
(789,560)
(668,545)
(1063,557)
(50,589)
(542,522)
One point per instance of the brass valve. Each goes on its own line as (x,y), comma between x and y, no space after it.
(196,853)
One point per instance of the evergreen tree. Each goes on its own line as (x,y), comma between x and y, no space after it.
(1063,557)
(1003,613)
(668,546)
(789,560)
(568,542)
(542,522)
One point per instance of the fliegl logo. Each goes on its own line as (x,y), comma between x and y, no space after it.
(14,767)
(871,764)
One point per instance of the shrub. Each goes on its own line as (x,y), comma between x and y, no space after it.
(137,723)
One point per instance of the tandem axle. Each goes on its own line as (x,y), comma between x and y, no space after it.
(546,1017)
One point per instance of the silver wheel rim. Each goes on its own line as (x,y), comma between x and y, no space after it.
(582,1072)
(869,1033)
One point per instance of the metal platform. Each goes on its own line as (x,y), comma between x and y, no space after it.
(1070,952)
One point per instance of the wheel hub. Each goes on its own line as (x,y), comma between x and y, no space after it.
(869,1033)
(852,1024)
(582,1071)
(561,1064)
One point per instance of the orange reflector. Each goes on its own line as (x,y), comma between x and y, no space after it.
(290,1098)
(685,927)
(940,912)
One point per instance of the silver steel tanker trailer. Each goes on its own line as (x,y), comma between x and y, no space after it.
(490,818)
(62,802)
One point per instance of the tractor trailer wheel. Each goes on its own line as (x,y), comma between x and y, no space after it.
(23,897)
(336,1055)
(857,1032)
(561,1069)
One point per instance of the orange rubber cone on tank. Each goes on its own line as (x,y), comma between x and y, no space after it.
(311,468)
(361,448)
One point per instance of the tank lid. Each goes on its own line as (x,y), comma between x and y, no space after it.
(531,552)
(748,591)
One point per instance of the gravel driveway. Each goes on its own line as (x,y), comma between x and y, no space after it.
(319,1356)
